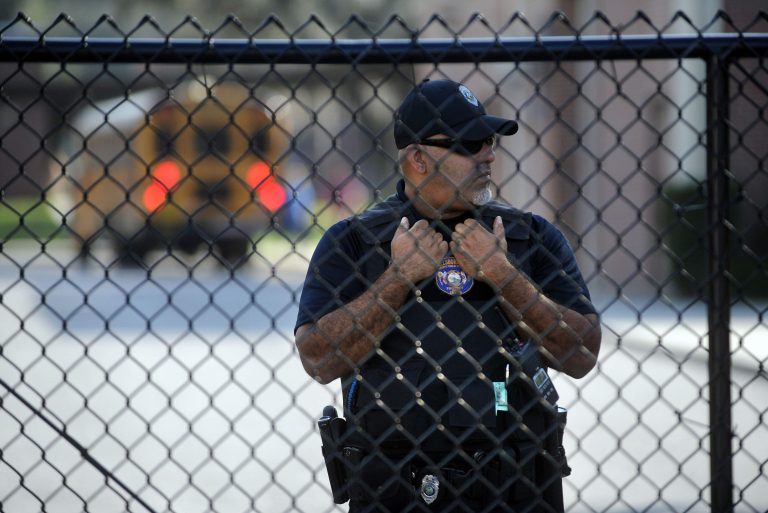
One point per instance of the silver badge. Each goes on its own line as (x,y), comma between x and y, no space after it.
(430,486)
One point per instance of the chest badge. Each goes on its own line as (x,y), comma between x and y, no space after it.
(451,279)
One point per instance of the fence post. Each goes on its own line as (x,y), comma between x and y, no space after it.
(718,291)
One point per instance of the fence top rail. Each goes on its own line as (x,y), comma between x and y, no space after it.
(378,51)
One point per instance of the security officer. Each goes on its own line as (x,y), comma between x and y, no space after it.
(440,309)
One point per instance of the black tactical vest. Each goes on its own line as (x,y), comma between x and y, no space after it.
(433,382)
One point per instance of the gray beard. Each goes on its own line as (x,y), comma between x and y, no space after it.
(482,197)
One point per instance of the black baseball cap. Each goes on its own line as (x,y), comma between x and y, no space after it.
(445,107)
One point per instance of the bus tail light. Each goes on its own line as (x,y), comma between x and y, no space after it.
(165,176)
(268,190)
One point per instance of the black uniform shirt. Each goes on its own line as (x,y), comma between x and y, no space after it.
(332,279)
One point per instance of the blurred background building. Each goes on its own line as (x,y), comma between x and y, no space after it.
(606,148)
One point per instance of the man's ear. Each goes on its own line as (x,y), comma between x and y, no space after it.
(418,159)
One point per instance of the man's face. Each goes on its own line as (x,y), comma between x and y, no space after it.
(457,181)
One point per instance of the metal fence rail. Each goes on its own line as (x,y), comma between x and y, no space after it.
(162,196)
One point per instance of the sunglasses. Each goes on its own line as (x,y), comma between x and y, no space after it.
(461,146)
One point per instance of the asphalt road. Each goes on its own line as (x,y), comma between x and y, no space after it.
(187,387)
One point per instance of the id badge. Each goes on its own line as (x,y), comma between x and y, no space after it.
(500,391)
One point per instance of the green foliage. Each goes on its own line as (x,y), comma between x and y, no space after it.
(28,218)
(686,230)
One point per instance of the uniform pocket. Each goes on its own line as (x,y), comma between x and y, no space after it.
(389,406)
(473,404)
(383,482)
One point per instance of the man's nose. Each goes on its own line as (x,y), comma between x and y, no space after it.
(487,154)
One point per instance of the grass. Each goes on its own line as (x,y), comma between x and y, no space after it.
(27,218)
(31,219)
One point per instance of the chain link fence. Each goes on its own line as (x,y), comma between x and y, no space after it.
(162,194)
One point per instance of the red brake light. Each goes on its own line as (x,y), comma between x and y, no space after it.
(165,176)
(271,194)
(257,174)
(269,191)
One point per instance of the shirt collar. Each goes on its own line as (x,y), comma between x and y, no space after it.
(414,215)
(400,190)
(410,211)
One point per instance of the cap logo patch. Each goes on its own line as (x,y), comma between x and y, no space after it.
(467,94)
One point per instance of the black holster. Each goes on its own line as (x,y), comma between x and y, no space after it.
(332,428)
(552,465)
(562,419)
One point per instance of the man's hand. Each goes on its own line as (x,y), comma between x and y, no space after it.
(480,253)
(417,251)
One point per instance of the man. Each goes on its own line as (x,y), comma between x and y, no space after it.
(434,308)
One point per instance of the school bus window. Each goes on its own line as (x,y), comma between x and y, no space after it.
(165,140)
(212,141)
(163,122)
(260,141)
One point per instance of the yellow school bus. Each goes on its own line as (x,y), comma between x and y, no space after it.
(182,168)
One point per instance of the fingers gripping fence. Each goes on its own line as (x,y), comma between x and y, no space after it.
(163,193)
